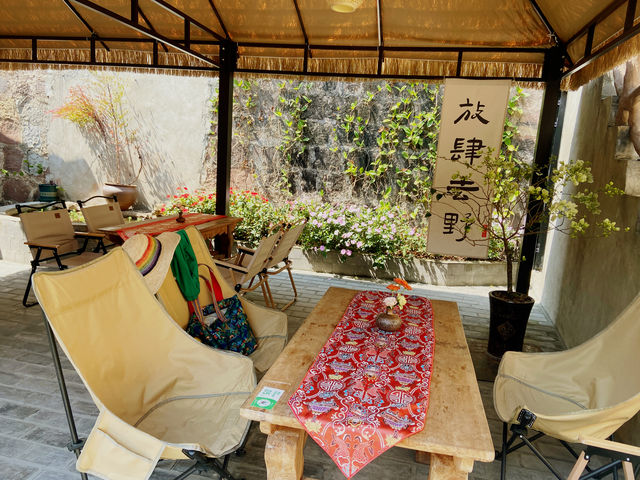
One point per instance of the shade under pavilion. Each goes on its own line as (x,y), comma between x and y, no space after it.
(557,45)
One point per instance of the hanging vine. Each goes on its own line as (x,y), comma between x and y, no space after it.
(295,134)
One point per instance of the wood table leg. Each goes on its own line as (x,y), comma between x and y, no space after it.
(423,457)
(443,467)
(283,454)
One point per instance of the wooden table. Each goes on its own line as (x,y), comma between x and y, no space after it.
(456,432)
(220,230)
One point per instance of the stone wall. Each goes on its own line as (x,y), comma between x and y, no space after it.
(589,281)
(173,118)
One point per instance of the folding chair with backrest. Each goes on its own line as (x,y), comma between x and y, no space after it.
(626,454)
(585,392)
(107,214)
(248,266)
(281,255)
(51,237)
(160,393)
(268,326)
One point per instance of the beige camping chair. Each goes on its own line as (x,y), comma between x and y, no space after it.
(51,238)
(268,326)
(160,393)
(107,214)
(585,392)
(247,266)
(280,255)
(625,453)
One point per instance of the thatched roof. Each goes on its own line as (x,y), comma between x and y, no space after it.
(391,38)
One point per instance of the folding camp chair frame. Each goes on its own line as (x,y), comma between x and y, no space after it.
(111,197)
(267,273)
(522,431)
(203,464)
(237,267)
(41,247)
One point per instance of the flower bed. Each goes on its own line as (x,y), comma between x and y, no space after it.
(379,232)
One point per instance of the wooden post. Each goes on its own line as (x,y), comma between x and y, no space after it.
(228,61)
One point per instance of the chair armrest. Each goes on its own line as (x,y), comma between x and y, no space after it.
(42,245)
(231,266)
(89,234)
(613,446)
(250,251)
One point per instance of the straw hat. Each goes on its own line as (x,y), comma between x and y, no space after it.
(152,256)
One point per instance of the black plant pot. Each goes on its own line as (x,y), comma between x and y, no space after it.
(508,317)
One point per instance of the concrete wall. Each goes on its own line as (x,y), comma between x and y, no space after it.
(588,281)
(171,117)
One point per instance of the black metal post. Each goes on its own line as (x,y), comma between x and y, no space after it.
(228,62)
(551,72)
(76,443)
(541,244)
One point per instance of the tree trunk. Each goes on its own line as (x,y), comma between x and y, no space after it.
(509,268)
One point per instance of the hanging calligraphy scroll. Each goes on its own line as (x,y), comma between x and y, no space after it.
(472,122)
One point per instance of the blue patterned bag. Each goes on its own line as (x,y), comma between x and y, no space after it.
(222,325)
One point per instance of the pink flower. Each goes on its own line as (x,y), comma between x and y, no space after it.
(343,251)
(349,252)
(359,244)
(322,248)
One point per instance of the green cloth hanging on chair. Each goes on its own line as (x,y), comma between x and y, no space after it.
(185,268)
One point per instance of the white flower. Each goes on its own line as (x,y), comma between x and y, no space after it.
(390,301)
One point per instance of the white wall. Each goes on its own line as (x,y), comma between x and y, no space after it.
(589,281)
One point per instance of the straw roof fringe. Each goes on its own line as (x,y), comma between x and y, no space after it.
(102,56)
(603,64)
(271,63)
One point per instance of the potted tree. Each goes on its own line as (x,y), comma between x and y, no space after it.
(568,205)
(99,111)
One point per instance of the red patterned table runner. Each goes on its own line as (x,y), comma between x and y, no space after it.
(368,389)
(166,225)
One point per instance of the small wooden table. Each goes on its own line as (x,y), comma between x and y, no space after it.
(456,432)
(220,230)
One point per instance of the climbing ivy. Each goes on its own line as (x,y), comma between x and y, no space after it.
(292,105)
(405,138)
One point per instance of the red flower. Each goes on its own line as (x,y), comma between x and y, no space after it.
(402,282)
(168,196)
(185,188)
(175,196)
(393,288)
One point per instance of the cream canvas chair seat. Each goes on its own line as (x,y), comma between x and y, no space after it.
(248,265)
(587,391)
(52,240)
(160,393)
(107,214)
(279,262)
(268,326)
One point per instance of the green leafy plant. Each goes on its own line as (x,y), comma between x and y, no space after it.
(28,168)
(295,134)
(567,203)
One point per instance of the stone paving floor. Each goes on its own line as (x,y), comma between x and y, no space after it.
(33,428)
